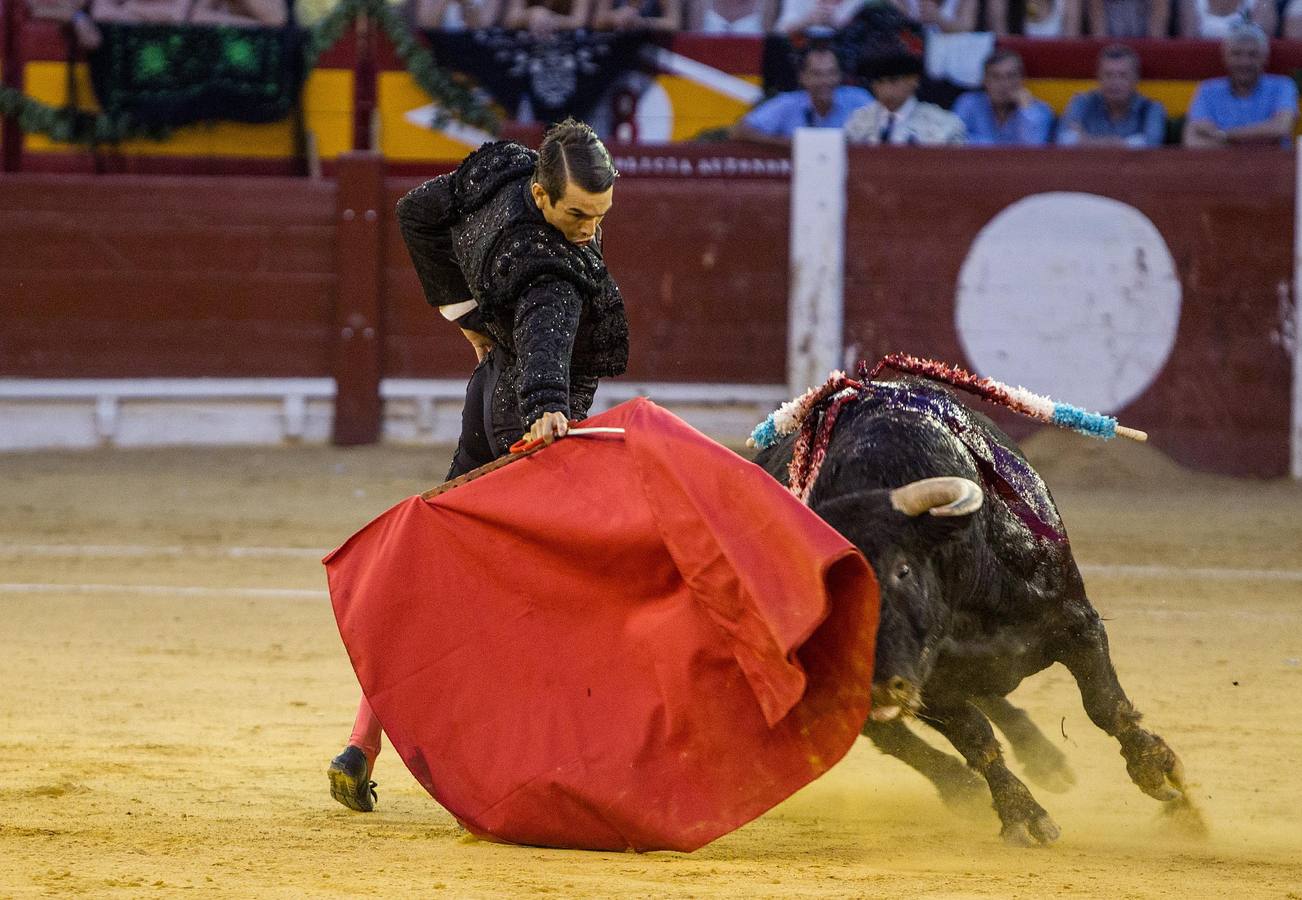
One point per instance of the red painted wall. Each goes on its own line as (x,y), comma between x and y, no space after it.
(153,277)
(1222,400)
(185,277)
(701,262)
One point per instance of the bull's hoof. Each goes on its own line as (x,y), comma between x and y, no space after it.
(1038,832)
(1154,767)
(1159,774)
(1050,772)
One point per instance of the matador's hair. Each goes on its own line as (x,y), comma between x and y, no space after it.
(571,151)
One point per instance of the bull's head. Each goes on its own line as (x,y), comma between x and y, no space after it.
(913,538)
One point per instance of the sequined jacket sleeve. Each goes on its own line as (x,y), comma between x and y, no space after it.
(425,217)
(546,322)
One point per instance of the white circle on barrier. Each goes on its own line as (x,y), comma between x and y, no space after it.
(1071,295)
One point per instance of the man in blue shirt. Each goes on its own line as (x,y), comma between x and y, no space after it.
(1115,114)
(824,103)
(1004,113)
(1248,107)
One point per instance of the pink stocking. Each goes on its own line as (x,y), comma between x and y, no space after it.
(366,732)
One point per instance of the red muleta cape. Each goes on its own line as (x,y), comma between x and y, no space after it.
(636,641)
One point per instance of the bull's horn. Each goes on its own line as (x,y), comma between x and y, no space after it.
(939,496)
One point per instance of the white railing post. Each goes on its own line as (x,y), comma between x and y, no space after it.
(815,312)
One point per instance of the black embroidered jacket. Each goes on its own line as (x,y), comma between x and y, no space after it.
(550,305)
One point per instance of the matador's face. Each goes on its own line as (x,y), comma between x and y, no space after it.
(577,213)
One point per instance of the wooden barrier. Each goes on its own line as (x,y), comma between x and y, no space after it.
(166,277)
(149,277)
(1221,401)
(358,337)
(142,278)
(699,255)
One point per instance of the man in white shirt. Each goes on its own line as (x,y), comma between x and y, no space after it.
(896,116)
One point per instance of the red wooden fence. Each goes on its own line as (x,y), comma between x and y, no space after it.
(269,277)
(151,277)
(1222,401)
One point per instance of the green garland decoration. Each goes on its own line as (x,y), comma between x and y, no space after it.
(73,126)
(79,126)
(452,95)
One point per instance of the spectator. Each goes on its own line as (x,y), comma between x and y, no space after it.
(1115,114)
(948,16)
(1039,18)
(309,12)
(896,116)
(824,102)
(241,13)
(456,15)
(72,13)
(755,17)
(543,17)
(820,15)
(1248,107)
(1129,18)
(244,13)
(158,11)
(1292,27)
(665,16)
(1005,112)
(1213,19)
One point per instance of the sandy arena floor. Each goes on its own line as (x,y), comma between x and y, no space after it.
(173,688)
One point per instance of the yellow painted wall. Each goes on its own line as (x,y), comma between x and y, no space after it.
(697,108)
(327,104)
(399,139)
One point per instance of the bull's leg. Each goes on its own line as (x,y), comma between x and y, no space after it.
(1024,821)
(959,788)
(1151,763)
(1043,763)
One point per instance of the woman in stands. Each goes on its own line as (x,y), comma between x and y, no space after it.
(547,16)
(456,15)
(1035,18)
(240,13)
(664,16)
(948,16)
(1212,19)
(1129,18)
(752,17)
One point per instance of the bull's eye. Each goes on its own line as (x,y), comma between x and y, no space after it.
(903,571)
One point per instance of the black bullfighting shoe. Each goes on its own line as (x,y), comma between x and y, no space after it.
(350,781)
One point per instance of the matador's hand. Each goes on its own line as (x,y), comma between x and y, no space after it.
(548,427)
(481,342)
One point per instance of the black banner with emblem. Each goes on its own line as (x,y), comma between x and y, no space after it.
(170,75)
(560,74)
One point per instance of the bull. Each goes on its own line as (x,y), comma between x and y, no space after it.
(979,590)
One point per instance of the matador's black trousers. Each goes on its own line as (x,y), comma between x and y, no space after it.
(490,420)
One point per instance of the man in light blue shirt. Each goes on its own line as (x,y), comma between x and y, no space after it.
(1248,107)
(1004,113)
(1116,114)
(824,103)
